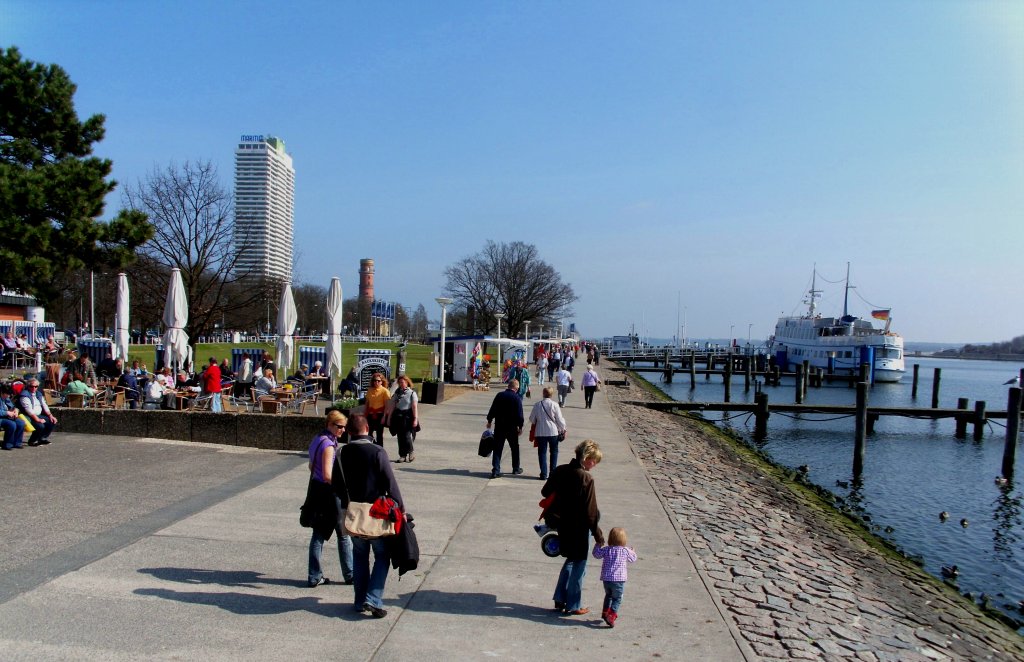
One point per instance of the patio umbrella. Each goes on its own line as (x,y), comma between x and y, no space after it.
(121,319)
(287,318)
(333,348)
(176,349)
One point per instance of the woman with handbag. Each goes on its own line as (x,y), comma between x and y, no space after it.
(402,417)
(547,429)
(591,382)
(324,502)
(366,475)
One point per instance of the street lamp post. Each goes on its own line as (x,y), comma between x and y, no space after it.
(540,332)
(526,337)
(499,316)
(444,301)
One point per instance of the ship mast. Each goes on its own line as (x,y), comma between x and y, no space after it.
(846,293)
(812,294)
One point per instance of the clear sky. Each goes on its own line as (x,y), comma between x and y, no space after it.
(671,159)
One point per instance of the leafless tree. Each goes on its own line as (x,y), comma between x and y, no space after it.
(195,231)
(509,278)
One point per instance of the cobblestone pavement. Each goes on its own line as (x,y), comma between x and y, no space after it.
(798,581)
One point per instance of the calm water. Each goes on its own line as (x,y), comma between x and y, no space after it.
(914,469)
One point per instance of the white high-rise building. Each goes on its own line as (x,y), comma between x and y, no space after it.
(264,208)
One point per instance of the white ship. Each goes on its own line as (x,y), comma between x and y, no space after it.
(838,345)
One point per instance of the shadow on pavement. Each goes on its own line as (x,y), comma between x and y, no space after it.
(486,604)
(239,578)
(257,605)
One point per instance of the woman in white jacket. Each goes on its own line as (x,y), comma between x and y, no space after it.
(549,423)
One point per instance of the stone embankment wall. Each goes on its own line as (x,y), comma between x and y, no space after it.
(798,580)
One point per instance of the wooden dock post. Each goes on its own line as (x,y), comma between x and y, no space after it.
(799,395)
(865,372)
(860,429)
(746,375)
(807,375)
(913,389)
(961,421)
(777,375)
(728,379)
(693,372)
(936,380)
(761,415)
(979,419)
(711,366)
(1012,430)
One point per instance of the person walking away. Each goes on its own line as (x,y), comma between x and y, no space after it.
(402,417)
(377,397)
(542,369)
(546,415)
(33,405)
(569,362)
(326,503)
(506,413)
(522,375)
(245,377)
(10,420)
(211,384)
(590,381)
(563,380)
(554,363)
(575,515)
(365,474)
(614,557)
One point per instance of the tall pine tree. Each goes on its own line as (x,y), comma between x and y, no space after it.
(51,187)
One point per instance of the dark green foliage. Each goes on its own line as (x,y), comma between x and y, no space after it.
(51,188)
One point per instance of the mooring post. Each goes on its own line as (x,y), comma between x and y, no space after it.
(761,415)
(1012,430)
(746,375)
(799,395)
(865,372)
(693,372)
(936,380)
(860,429)
(913,389)
(777,375)
(961,419)
(807,375)
(728,379)
(979,420)
(872,419)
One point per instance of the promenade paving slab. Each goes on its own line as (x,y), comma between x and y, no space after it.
(225,579)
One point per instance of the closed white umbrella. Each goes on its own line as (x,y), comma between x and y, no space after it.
(176,349)
(287,318)
(333,348)
(121,319)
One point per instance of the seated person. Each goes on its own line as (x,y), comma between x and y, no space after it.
(84,366)
(10,342)
(300,374)
(225,370)
(34,406)
(78,386)
(265,383)
(350,384)
(51,350)
(24,345)
(108,368)
(157,393)
(129,383)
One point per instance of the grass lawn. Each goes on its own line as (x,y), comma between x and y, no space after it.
(418,357)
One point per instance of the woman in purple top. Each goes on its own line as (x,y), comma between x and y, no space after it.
(326,505)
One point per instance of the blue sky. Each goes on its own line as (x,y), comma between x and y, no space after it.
(706,153)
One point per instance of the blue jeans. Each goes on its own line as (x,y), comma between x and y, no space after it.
(369,585)
(613,595)
(316,546)
(569,589)
(543,445)
(14,431)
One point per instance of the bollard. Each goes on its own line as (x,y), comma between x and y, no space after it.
(913,389)
(935,388)
(799,382)
(961,419)
(777,375)
(865,372)
(979,419)
(860,429)
(1012,430)
(761,415)
(807,375)
(693,373)
(746,375)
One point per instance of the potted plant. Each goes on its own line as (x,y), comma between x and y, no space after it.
(346,405)
(431,391)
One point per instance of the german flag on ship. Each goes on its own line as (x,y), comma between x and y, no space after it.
(881,314)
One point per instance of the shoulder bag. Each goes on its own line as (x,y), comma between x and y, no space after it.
(561,433)
(371,520)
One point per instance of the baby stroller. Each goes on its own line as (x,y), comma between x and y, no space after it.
(549,543)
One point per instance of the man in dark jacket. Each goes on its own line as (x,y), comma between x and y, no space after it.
(507,415)
(575,515)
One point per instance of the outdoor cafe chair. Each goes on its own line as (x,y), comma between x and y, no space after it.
(74,400)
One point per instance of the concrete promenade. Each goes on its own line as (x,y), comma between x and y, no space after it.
(129,549)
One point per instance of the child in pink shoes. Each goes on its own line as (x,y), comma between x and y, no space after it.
(614,557)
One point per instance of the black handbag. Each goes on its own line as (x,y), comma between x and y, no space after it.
(486,444)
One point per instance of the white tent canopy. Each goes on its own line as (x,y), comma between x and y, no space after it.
(333,348)
(121,319)
(176,349)
(287,318)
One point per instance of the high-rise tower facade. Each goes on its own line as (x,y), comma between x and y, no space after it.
(264,207)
